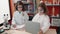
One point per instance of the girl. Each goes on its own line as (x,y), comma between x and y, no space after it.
(42,18)
(19,16)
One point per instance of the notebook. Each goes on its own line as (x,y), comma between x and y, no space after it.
(32,27)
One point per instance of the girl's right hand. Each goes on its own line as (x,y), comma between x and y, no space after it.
(14,26)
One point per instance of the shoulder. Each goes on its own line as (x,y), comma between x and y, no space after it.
(16,12)
(46,17)
(25,12)
(37,14)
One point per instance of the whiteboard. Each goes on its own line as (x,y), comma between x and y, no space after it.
(4,8)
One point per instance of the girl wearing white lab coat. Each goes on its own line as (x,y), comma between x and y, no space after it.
(42,18)
(19,17)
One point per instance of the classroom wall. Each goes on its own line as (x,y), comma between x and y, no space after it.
(4,9)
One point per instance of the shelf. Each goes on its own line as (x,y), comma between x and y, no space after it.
(55,17)
(55,22)
(25,2)
(52,4)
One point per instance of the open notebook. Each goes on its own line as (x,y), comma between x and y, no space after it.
(32,27)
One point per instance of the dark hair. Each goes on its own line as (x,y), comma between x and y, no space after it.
(19,3)
(43,7)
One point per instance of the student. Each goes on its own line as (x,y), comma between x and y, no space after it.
(42,18)
(19,16)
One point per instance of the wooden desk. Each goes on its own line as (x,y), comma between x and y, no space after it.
(15,32)
(50,31)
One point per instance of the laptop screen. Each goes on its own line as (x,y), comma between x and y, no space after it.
(32,27)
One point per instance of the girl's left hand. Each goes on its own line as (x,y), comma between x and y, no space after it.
(40,32)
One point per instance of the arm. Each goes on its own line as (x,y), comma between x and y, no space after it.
(46,24)
(13,21)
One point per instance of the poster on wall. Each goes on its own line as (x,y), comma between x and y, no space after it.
(4,9)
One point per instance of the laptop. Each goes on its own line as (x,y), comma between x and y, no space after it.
(32,27)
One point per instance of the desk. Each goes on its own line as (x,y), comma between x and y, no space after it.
(50,31)
(15,32)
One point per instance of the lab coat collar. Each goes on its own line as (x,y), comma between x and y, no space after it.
(20,12)
(41,14)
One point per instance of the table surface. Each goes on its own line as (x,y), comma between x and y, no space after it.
(50,31)
(15,32)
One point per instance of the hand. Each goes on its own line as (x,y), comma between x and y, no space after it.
(40,32)
(14,26)
(21,29)
(23,14)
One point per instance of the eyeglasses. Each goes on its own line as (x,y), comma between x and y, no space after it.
(40,9)
(19,7)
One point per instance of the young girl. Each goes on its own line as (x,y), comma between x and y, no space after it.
(42,18)
(19,16)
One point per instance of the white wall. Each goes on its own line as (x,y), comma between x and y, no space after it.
(4,8)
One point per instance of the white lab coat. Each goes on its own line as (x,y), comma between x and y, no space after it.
(19,19)
(43,20)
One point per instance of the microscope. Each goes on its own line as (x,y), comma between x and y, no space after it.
(1,25)
(6,23)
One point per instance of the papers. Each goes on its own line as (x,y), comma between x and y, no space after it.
(18,26)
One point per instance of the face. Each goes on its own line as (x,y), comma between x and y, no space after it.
(40,10)
(19,7)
